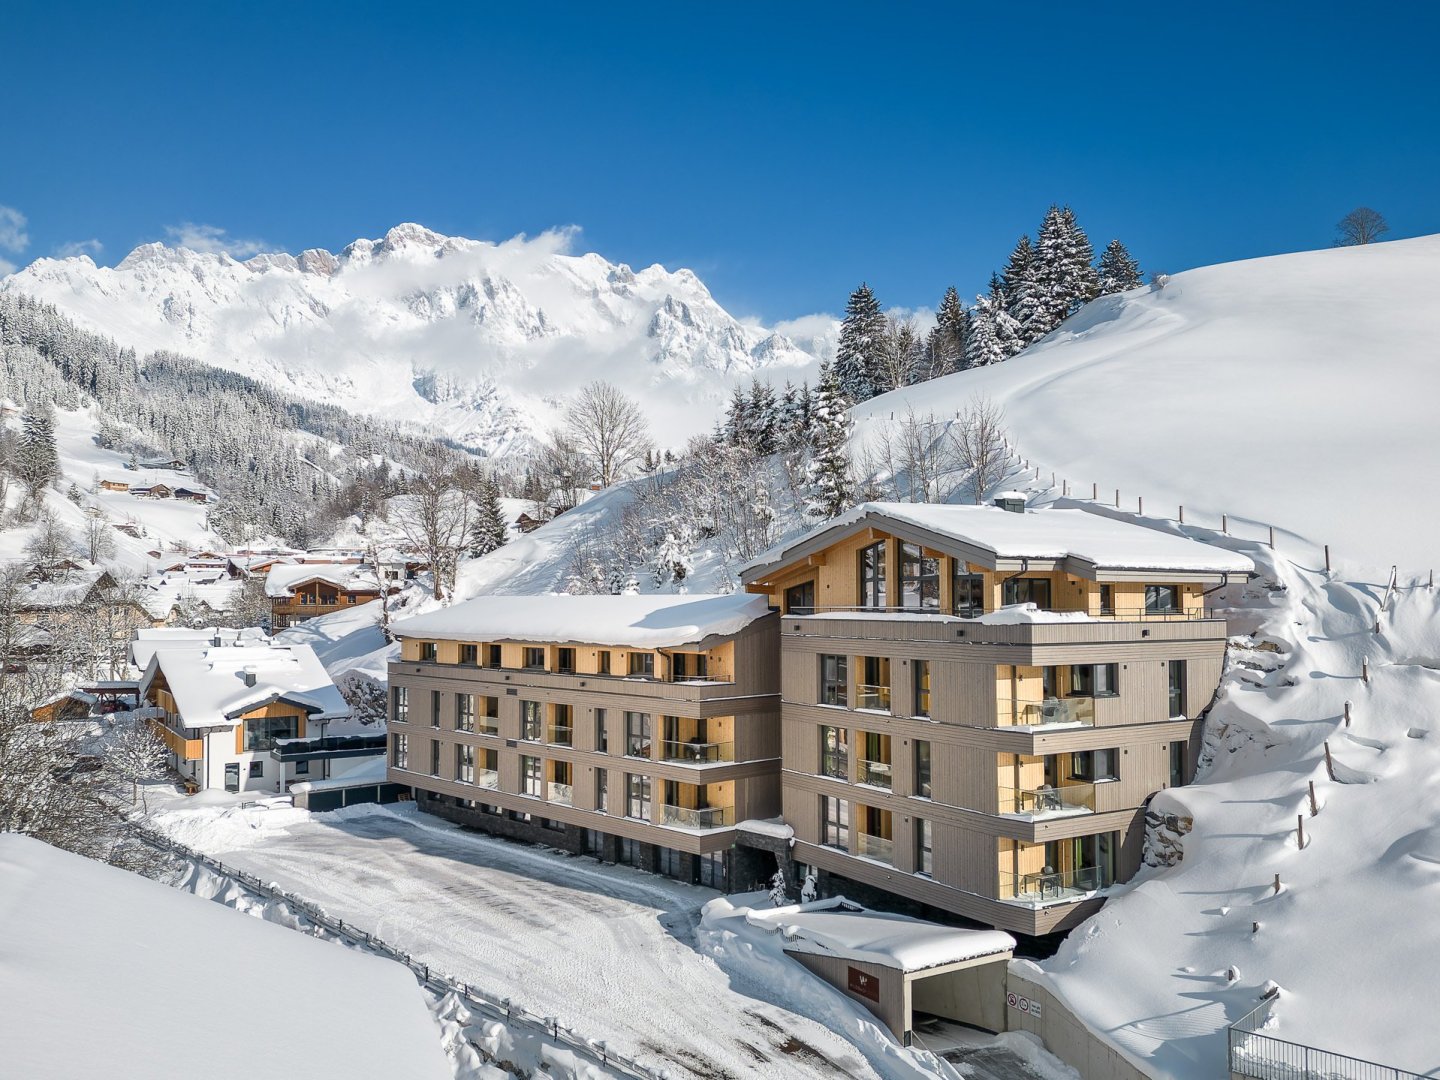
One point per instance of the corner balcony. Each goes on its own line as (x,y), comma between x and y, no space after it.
(331,747)
(704,817)
(1051,713)
(1045,887)
(1045,802)
(872,698)
(694,752)
(878,774)
(560,794)
(869,846)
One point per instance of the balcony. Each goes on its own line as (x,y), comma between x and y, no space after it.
(875,773)
(1048,802)
(698,753)
(487,778)
(1050,713)
(331,747)
(487,725)
(560,735)
(1047,887)
(868,846)
(875,698)
(560,794)
(708,817)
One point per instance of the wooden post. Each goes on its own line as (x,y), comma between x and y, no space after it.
(1094,492)
(1277,884)
(1314,809)
(1272,537)
(1225,524)
(1347,714)
(1329,761)
(1254,927)
(1327,558)
(1117,498)
(1432,579)
(1140,504)
(1182,513)
(1365,670)
(1300,829)
(1064,487)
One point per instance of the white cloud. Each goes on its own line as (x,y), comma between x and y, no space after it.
(90,247)
(212,240)
(13,237)
(6,267)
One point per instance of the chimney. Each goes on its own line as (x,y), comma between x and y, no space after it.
(1014,501)
(249,675)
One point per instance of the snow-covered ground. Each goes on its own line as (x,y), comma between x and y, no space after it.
(614,952)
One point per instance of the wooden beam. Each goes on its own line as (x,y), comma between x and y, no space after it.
(818,559)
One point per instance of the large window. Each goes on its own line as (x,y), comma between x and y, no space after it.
(921,669)
(465,764)
(800,599)
(400,751)
(534,658)
(833,679)
(922,768)
(493,656)
(470,654)
(400,707)
(924,847)
(434,757)
(1179,763)
(637,734)
(1175,677)
(872,575)
(532,780)
(602,734)
(434,708)
(1094,680)
(874,689)
(602,790)
(464,712)
(1161,599)
(562,726)
(531,725)
(428,650)
(834,822)
(637,796)
(689,666)
(1027,591)
(1093,765)
(602,662)
(919,579)
(261,733)
(969,589)
(835,752)
(565,661)
(489,715)
(642,664)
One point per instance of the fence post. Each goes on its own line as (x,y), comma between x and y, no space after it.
(1182,513)
(1095,492)
(1117,498)
(1329,762)
(1300,829)
(1140,509)
(1327,558)
(1347,714)
(1225,524)
(1313,808)
(1365,670)
(1272,537)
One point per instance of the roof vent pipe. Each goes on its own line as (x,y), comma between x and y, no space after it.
(249,676)
(1014,501)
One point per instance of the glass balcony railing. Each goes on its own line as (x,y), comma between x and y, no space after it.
(699,753)
(1052,886)
(487,725)
(874,847)
(563,794)
(707,817)
(1067,711)
(487,778)
(874,773)
(1045,801)
(560,734)
(872,697)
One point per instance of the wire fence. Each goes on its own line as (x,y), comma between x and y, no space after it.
(1265,1057)
(494,1006)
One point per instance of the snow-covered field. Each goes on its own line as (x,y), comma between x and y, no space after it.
(614,952)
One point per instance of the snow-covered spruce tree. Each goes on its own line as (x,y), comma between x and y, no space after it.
(863,339)
(672,565)
(901,357)
(945,345)
(1118,270)
(993,335)
(1017,283)
(1064,278)
(249,604)
(831,487)
(489,529)
(37,463)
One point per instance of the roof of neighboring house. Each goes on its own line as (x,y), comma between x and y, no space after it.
(282,581)
(637,622)
(990,536)
(148,640)
(68,590)
(208,682)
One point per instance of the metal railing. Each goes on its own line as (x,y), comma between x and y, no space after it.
(698,753)
(1068,710)
(495,1006)
(872,697)
(1052,886)
(708,817)
(560,735)
(1076,798)
(875,773)
(1138,613)
(1254,1054)
(330,745)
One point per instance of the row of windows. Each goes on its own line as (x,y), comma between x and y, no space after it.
(533,658)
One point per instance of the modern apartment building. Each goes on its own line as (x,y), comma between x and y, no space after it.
(641,729)
(977,702)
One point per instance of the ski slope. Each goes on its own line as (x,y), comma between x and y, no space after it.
(1295,391)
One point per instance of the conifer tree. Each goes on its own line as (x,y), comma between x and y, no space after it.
(36,461)
(831,487)
(1017,281)
(1118,270)
(993,335)
(489,529)
(1064,278)
(859,354)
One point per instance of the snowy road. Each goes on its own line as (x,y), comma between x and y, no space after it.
(607,949)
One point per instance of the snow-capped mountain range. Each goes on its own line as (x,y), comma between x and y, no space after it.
(477,340)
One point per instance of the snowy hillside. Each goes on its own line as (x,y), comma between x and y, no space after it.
(478,339)
(1296,391)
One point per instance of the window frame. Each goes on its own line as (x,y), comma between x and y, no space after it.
(532,721)
(873,588)
(924,768)
(1155,592)
(835,685)
(1090,685)
(926,568)
(1014,586)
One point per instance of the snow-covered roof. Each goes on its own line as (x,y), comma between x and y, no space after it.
(637,621)
(281,581)
(836,927)
(213,685)
(71,922)
(148,640)
(993,534)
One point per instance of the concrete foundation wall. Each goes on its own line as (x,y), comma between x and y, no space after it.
(974,996)
(1065,1036)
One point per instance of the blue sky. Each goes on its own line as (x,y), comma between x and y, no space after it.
(784,152)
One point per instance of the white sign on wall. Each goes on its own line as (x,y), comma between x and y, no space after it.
(1024,1004)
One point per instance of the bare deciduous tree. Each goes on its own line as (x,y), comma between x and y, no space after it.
(434,516)
(97,535)
(610,428)
(562,470)
(136,755)
(1361,226)
(979,438)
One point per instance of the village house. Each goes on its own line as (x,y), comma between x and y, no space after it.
(114,485)
(642,729)
(978,703)
(241,712)
(301,591)
(152,491)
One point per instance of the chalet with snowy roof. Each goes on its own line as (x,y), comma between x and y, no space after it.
(195,495)
(979,700)
(171,464)
(152,491)
(114,485)
(303,591)
(642,729)
(244,713)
